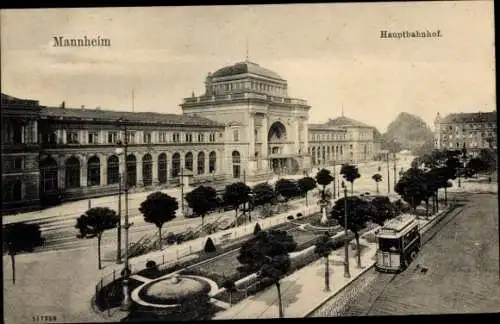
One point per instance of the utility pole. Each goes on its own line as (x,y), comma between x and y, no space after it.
(119,227)
(347,273)
(395,178)
(388,175)
(334,189)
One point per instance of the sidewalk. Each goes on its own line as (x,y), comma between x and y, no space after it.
(303,290)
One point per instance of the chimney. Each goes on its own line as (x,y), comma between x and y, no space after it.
(63,104)
(83,107)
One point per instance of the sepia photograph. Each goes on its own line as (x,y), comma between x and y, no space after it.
(227,162)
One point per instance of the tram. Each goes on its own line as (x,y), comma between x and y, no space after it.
(398,244)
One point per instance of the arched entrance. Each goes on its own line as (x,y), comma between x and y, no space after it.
(147,170)
(277,132)
(93,171)
(72,172)
(48,176)
(162,168)
(176,165)
(113,169)
(131,170)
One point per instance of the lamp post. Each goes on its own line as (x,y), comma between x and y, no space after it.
(347,274)
(334,189)
(182,191)
(126,271)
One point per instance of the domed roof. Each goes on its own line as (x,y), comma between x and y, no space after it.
(246,67)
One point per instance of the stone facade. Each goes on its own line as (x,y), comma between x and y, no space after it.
(475,131)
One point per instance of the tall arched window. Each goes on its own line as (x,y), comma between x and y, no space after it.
(72,172)
(313,155)
(131,170)
(212,160)
(176,165)
(147,170)
(201,163)
(236,164)
(113,169)
(48,175)
(93,171)
(188,163)
(162,168)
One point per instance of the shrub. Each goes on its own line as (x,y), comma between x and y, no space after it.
(256,229)
(209,246)
(170,238)
(150,264)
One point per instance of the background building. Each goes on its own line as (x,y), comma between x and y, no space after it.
(474,130)
(244,127)
(266,130)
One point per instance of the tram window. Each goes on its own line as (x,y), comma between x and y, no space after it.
(389,245)
(410,236)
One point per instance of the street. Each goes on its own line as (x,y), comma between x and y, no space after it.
(460,269)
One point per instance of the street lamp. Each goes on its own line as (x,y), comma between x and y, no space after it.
(119,151)
(126,271)
(388,175)
(346,243)
(334,189)
(395,179)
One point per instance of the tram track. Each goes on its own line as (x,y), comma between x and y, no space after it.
(371,285)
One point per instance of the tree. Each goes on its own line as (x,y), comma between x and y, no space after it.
(350,174)
(358,212)
(488,156)
(306,184)
(236,194)
(94,222)
(230,287)
(20,237)
(209,246)
(324,178)
(323,248)
(286,188)
(268,253)
(159,208)
(412,187)
(264,194)
(380,209)
(256,229)
(476,165)
(202,200)
(377,177)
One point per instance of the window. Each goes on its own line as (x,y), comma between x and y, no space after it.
(72,137)
(389,245)
(93,138)
(410,237)
(176,137)
(112,137)
(131,137)
(201,137)
(189,137)
(212,137)
(212,159)
(162,137)
(18,163)
(12,191)
(236,135)
(146,138)
(93,171)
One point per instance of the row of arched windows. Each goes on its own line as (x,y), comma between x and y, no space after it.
(325,153)
(72,169)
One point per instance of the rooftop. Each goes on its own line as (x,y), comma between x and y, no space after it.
(9,100)
(346,122)
(133,117)
(323,126)
(246,67)
(477,117)
(399,223)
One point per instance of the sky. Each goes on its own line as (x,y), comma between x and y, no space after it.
(330,54)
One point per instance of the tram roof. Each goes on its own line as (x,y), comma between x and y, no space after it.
(397,226)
